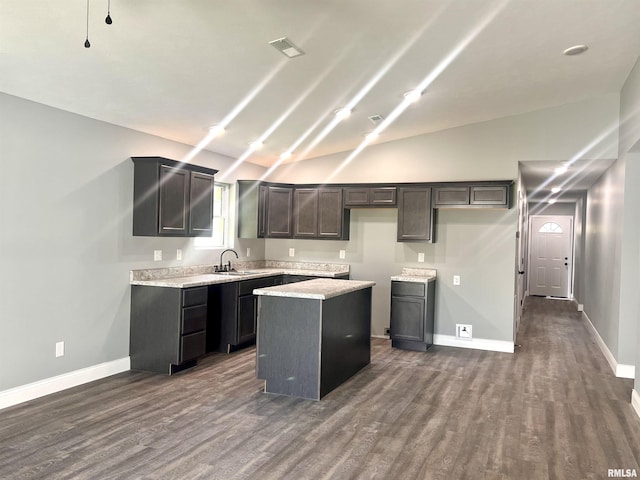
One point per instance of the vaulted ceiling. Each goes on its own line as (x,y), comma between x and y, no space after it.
(175,68)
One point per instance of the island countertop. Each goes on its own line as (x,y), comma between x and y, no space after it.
(320,289)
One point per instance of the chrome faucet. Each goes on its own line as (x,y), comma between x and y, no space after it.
(227,267)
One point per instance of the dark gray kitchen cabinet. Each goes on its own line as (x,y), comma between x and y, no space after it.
(305,212)
(415,215)
(369,196)
(251,204)
(412,315)
(494,194)
(318,214)
(234,312)
(279,212)
(168,327)
(446,196)
(171,198)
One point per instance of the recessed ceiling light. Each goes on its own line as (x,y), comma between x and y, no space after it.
(286,155)
(413,96)
(575,50)
(562,169)
(552,201)
(256,145)
(371,135)
(555,189)
(216,130)
(342,113)
(284,46)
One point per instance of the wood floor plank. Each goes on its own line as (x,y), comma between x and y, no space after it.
(553,409)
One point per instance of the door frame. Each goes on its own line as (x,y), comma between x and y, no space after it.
(571,251)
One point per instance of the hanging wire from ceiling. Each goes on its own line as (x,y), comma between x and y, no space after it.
(87,44)
(108,20)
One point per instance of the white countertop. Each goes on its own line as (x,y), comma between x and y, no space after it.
(201,275)
(320,289)
(419,275)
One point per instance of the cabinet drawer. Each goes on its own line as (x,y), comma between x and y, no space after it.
(194,319)
(408,289)
(356,197)
(247,287)
(194,296)
(192,346)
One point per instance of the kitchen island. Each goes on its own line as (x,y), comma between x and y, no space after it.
(313,335)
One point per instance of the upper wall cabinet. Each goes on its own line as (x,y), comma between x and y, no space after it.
(277,207)
(318,214)
(171,199)
(481,195)
(415,215)
(369,196)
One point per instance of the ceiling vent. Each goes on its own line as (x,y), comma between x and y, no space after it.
(376,119)
(287,48)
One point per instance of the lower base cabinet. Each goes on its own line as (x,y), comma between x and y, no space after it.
(412,315)
(168,328)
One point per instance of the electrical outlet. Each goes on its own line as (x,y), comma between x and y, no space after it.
(343,254)
(421,257)
(248,252)
(456,279)
(292,252)
(59,349)
(179,254)
(387,331)
(157,255)
(464,332)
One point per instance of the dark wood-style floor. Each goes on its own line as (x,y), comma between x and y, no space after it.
(551,410)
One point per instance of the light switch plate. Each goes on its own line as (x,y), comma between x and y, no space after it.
(248,252)
(157,255)
(343,254)
(421,257)
(59,349)
(179,254)
(456,279)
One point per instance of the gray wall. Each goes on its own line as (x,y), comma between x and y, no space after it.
(478,245)
(612,238)
(66,247)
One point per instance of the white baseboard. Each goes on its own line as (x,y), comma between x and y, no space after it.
(619,370)
(474,343)
(380,336)
(34,390)
(635,401)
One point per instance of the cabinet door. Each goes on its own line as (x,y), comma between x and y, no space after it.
(383,196)
(330,213)
(247,312)
(415,215)
(305,212)
(263,192)
(174,201)
(201,199)
(407,318)
(279,215)
(494,196)
(356,196)
(443,196)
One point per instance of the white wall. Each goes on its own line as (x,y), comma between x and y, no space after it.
(478,245)
(66,248)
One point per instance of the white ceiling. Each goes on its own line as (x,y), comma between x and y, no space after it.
(173,68)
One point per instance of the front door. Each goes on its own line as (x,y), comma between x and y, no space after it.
(550,255)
